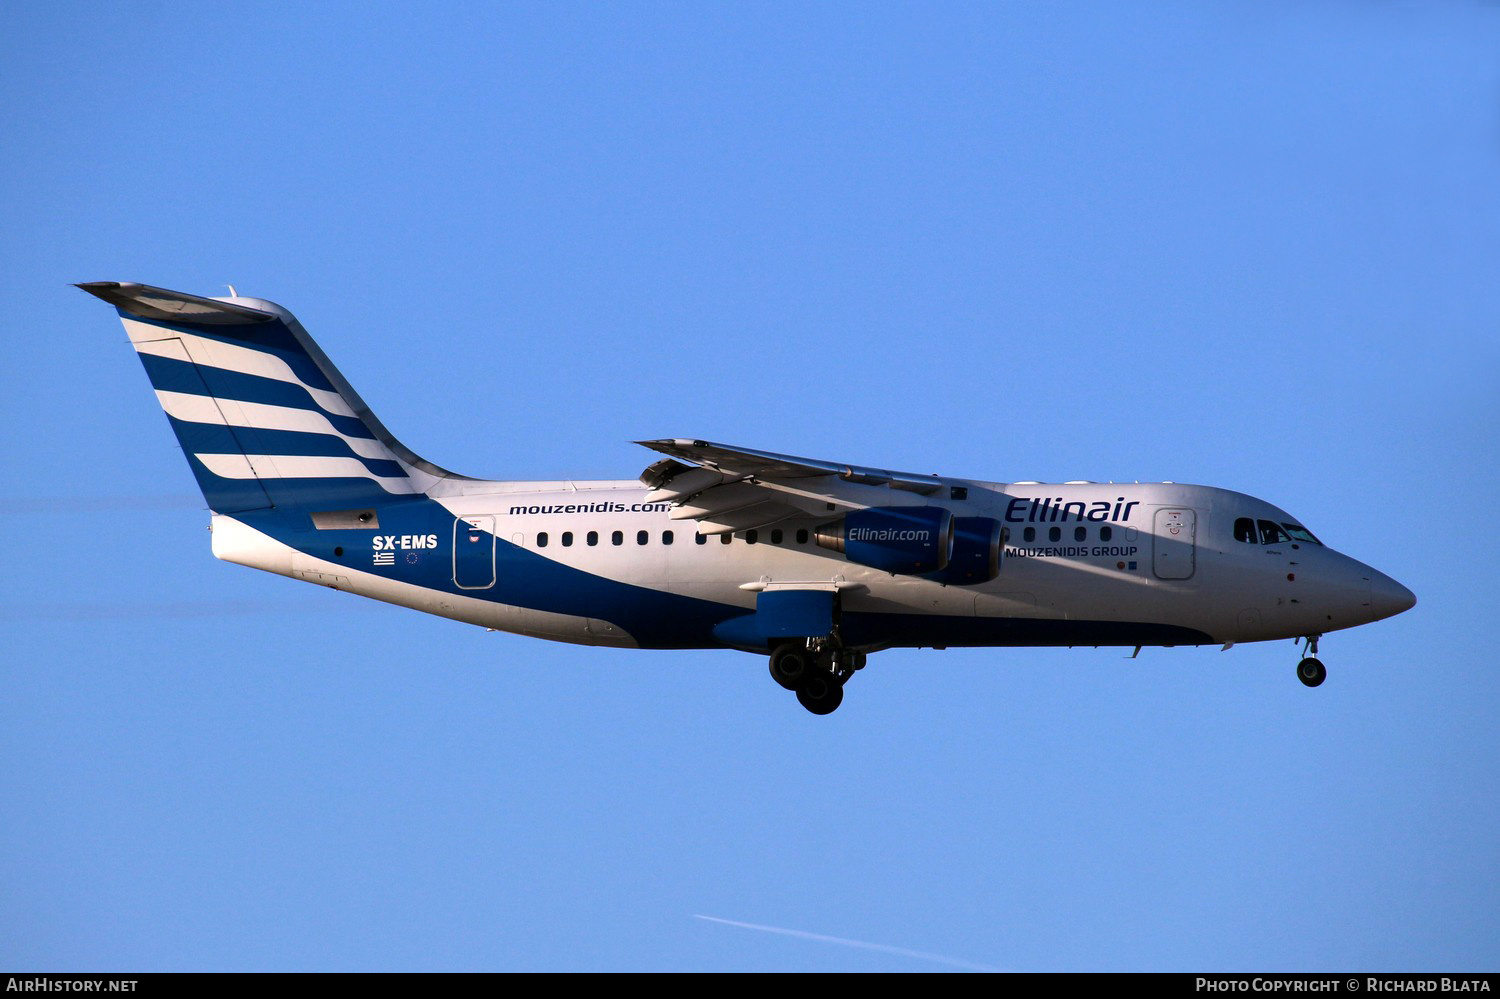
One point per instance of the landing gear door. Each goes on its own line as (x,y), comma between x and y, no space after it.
(1174,542)
(474,553)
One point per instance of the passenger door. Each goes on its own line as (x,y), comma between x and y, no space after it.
(1174,542)
(474,553)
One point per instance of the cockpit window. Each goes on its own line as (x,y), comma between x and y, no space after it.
(1271,533)
(1300,533)
(1267,532)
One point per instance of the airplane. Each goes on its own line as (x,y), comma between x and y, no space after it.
(813,564)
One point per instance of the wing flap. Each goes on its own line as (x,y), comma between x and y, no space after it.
(749,519)
(731,489)
(682,483)
(720,500)
(739,462)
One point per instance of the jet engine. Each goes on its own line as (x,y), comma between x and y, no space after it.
(977,544)
(906,540)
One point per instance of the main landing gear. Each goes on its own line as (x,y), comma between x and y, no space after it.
(816,676)
(1310,671)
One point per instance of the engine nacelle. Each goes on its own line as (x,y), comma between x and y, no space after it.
(977,545)
(907,540)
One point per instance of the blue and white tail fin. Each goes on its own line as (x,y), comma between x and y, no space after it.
(265,419)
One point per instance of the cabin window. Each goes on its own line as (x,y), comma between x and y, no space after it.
(641,537)
(1271,533)
(1029,534)
(752,536)
(617,538)
(1054,534)
(776,536)
(1106,532)
(801,535)
(1244,530)
(666,537)
(1080,533)
(593,538)
(541,539)
(701,539)
(567,539)
(725,539)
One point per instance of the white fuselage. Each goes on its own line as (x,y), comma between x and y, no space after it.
(1146,554)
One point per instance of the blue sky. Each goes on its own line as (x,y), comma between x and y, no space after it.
(1250,245)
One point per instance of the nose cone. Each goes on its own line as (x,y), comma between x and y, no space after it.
(1388,597)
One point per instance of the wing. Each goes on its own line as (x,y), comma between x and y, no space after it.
(727,489)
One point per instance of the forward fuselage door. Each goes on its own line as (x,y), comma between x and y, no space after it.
(474,553)
(1174,542)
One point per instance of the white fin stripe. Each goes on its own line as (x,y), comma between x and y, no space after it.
(228,357)
(235,413)
(298,466)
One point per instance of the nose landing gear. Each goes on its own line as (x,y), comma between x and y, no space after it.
(1310,671)
(817,677)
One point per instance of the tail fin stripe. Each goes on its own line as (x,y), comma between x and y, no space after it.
(238,413)
(223,496)
(211,344)
(297,466)
(166,374)
(259,440)
(213,354)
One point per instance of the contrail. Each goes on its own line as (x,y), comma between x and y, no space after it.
(861,944)
(63,611)
(70,505)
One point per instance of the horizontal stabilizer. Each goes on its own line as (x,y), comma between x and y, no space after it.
(149,302)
